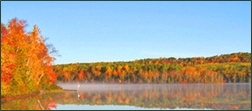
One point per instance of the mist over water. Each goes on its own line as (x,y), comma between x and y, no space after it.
(166,96)
(190,87)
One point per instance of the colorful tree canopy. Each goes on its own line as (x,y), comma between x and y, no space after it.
(26,65)
(235,67)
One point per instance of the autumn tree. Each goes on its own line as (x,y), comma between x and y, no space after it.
(26,65)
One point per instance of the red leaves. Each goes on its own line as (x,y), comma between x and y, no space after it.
(52,75)
(6,78)
(7,68)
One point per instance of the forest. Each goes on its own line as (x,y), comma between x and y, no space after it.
(234,67)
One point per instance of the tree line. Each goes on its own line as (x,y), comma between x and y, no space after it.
(234,67)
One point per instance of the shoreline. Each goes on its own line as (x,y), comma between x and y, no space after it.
(16,97)
(8,98)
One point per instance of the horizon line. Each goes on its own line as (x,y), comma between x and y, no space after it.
(146,58)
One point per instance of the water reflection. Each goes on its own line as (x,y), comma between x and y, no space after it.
(142,96)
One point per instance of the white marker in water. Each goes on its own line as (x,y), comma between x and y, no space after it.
(78,86)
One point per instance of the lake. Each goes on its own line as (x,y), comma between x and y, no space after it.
(141,97)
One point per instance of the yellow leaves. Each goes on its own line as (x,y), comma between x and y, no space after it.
(190,70)
(98,67)
(67,76)
(126,67)
(108,71)
(119,68)
(4,88)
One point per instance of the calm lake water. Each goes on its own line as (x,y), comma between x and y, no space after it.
(141,97)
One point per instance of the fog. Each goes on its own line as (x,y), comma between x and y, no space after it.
(133,87)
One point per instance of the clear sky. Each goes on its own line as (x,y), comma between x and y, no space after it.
(85,31)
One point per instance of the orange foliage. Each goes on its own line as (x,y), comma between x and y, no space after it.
(81,75)
(24,56)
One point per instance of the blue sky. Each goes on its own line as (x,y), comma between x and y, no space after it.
(96,31)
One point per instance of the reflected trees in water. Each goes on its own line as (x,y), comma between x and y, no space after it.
(198,96)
